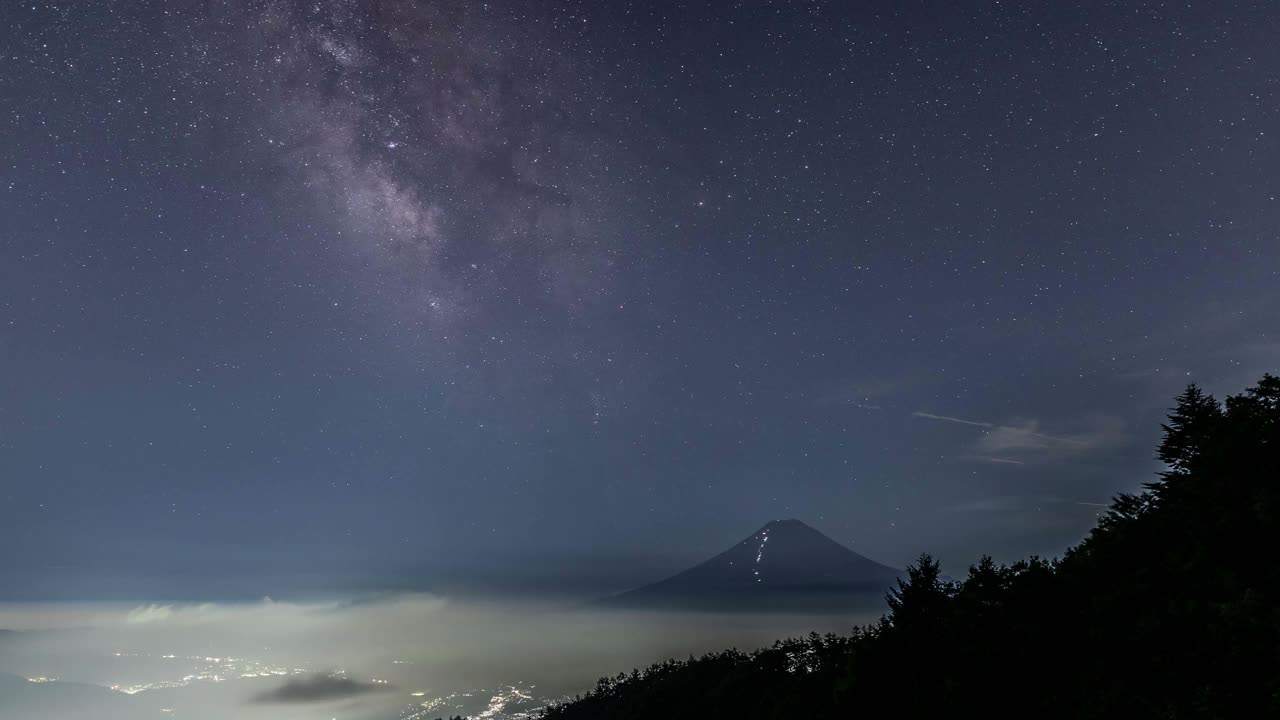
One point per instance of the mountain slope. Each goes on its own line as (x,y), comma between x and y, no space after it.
(784,566)
(1162,611)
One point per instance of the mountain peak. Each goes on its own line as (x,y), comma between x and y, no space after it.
(789,522)
(790,525)
(785,565)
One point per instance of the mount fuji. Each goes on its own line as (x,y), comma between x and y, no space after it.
(785,566)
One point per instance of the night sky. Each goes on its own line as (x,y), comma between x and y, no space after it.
(535,297)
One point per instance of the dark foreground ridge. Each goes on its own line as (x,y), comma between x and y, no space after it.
(784,566)
(1169,609)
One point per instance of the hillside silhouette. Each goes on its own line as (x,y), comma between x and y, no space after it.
(1170,608)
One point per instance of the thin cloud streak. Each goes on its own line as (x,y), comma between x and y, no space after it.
(1026,437)
(1005,461)
(1005,435)
(948,418)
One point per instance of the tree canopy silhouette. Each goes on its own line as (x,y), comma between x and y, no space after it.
(1170,608)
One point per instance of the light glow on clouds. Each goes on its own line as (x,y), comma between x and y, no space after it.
(213,660)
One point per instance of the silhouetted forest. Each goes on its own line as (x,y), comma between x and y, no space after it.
(1168,609)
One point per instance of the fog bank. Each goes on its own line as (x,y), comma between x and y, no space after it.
(421,653)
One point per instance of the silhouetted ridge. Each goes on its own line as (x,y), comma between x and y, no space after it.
(1167,610)
(785,565)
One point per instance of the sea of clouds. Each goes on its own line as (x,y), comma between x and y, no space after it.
(403,656)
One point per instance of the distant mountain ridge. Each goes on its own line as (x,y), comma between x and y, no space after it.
(784,566)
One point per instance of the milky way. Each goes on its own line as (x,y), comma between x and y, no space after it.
(559,297)
(467,160)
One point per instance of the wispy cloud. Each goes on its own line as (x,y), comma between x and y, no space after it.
(1024,436)
(150,614)
(948,418)
(1003,461)
(1005,503)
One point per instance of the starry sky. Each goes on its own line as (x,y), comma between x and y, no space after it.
(556,297)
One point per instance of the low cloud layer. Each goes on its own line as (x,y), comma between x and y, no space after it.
(378,659)
(319,688)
